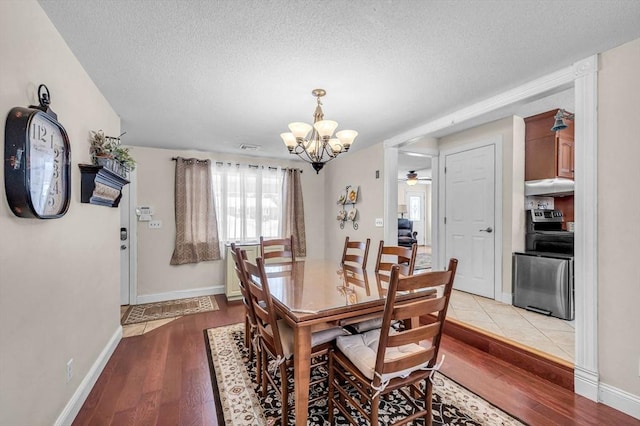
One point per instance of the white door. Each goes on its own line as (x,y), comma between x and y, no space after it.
(469,218)
(125,249)
(416,213)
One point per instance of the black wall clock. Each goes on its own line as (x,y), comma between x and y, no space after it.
(37,161)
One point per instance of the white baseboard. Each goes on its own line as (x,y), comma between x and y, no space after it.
(620,400)
(507,298)
(585,383)
(74,405)
(179,294)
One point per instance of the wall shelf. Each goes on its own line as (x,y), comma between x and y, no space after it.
(100,186)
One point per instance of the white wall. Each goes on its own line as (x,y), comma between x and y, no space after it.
(618,213)
(357,168)
(59,278)
(511,130)
(155,187)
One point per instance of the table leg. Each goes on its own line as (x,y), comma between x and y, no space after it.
(302,372)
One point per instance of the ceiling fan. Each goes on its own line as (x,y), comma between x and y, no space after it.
(412,178)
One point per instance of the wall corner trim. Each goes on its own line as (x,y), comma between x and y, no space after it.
(586,383)
(74,404)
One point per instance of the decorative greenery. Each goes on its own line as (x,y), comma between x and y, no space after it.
(109,147)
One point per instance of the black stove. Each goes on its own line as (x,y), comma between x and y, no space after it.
(545,234)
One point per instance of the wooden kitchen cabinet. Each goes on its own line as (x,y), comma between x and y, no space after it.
(548,154)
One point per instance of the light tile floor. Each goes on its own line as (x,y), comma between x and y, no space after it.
(546,334)
(143,327)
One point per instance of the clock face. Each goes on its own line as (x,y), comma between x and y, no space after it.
(37,159)
(47,174)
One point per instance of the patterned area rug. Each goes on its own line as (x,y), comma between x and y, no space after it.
(236,391)
(423,261)
(169,309)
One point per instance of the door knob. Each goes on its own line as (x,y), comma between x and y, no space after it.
(489,230)
(123,247)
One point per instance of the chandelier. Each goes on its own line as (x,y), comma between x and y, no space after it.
(319,147)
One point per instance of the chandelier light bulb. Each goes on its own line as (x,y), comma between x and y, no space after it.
(289,140)
(346,138)
(325,128)
(336,146)
(300,130)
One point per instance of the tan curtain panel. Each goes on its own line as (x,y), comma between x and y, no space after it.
(196,222)
(293,211)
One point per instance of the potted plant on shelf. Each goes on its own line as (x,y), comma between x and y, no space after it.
(106,151)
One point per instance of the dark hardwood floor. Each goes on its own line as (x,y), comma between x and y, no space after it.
(163,378)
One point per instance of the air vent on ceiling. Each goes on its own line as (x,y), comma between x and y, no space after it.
(248,147)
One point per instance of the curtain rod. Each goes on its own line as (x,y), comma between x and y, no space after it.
(254,166)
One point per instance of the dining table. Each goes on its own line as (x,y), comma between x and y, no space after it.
(317,294)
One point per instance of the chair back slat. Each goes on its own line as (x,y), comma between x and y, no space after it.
(260,295)
(409,361)
(419,307)
(423,332)
(281,249)
(399,306)
(404,257)
(355,252)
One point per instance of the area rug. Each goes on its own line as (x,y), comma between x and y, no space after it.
(169,309)
(423,261)
(238,397)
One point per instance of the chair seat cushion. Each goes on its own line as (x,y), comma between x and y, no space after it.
(361,350)
(317,338)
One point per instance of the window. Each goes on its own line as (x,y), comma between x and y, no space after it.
(251,199)
(415,208)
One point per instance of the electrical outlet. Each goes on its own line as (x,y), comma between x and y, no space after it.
(155,224)
(379,222)
(69,370)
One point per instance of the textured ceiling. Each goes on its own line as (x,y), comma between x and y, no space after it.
(212,75)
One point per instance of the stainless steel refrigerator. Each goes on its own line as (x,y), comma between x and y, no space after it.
(543,283)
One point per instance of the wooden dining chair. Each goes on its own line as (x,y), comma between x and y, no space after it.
(355,252)
(250,324)
(281,249)
(276,338)
(362,371)
(356,276)
(404,257)
(388,256)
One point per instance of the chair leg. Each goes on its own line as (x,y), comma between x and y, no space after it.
(264,372)
(284,384)
(375,405)
(247,336)
(259,367)
(331,389)
(428,393)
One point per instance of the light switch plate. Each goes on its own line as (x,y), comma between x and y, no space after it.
(379,222)
(155,224)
